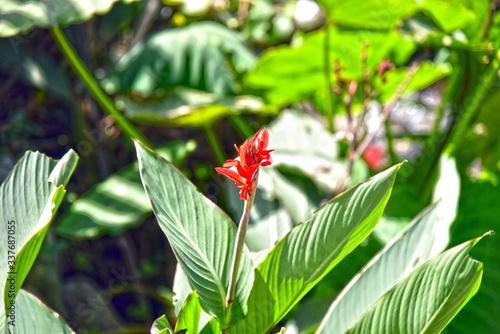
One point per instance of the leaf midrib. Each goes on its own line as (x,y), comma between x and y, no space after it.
(194,245)
(445,301)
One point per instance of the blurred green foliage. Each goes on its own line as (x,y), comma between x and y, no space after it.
(198,76)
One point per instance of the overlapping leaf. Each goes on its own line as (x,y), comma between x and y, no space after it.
(312,249)
(428,299)
(189,317)
(30,197)
(424,239)
(201,235)
(161,326)
(385,14)
(33,316)
(479,211)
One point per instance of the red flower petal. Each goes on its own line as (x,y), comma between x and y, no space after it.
(252,154)
(230,163)
(230,174)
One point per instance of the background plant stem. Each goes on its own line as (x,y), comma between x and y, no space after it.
(102,98)
(215,144)
(241,125)
(472,107)
(328,76)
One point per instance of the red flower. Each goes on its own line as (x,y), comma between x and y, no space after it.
(251,155)
(373,156)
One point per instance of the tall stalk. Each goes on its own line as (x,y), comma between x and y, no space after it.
(473,104)
(93,87)
(238,248)
(215,145)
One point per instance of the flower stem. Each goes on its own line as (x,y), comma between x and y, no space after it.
(238,248)
(93,87)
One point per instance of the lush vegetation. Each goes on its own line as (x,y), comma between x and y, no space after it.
(366,185)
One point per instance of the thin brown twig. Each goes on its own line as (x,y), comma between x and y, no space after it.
(386,111)
(243,10)
(145,22)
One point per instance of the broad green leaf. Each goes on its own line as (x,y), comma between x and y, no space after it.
(33,316)
(212,327)
(201,235)
(373,14)
(479,211)
(189,317)
(198,61)
(428,299)
(161,326)
(182,290)
(446,191)
(118,203)
(481,10)
(312,249)
(288,74)
(443,11)
(38,70)
(30,197)
(19,17)
(425,238)
(393,263)
(386,14)
(190,108)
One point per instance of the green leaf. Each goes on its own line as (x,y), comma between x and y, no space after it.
(312,249)
(189,108)
(30,195)
(33,316)
(201,235)
(161,326)
(372,14)
(198,60)
(212,327)
(428,299)
(19,16)
(479,211)
(189,317)
(118,203)
(386,14)
(446,191)
(424,238)
(182,290)
(38,70)
(288,74)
